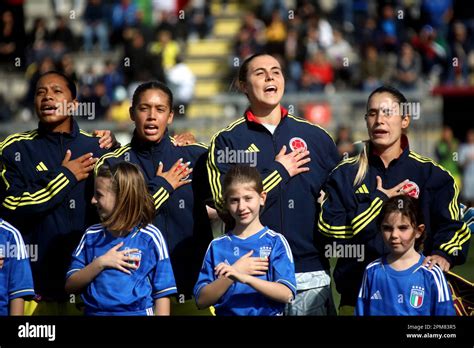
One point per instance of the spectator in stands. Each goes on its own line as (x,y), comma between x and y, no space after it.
(388,29)
(66,66)
(167,48)
(200,20)
(38,40)
(317,73)
(408,71)
(447,153)
(460,47)
(270,6)
(466,160)
(294,56)
(275,34)
(432,53)
(62,38)
(245,45)
(112,78)
(123,15)
(10,41)
(325,34)
(139,64)
(119,110)
(373,69)
(368,33)
(95,26)
(181,81)
(345,143)
(5,111)
(341,57)
(437,14)
(255,27)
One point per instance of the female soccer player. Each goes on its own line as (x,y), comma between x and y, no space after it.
(292,179)
(121,266)
(233,281)
(386,167)
(176,178)
(45,188)
(400,283)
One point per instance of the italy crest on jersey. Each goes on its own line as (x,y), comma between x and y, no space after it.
(265,252)
(136,258)
(417,295)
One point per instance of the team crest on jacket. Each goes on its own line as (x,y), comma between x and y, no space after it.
(417,295)
(415,193)
(136,256)
(297,143)
(265,252)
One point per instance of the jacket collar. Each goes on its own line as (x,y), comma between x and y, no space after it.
(44,131)
(145,147)
(250,116)
(374,158)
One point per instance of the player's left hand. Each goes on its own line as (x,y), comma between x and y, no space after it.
(185,138)
(224,270)
(432,260)
(1,262)
(107,139)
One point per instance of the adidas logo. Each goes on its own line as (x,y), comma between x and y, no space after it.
(252,148)
(362,189)
(376,296)
(41,167)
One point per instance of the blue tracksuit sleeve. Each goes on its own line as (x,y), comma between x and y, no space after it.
(206,275)
(37,196)
(441,299)
(162,277)
(282,264)
(342,215)
(362,304)
(450,235)
(79,258)
(20,278)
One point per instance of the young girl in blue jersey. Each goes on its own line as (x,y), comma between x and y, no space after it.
(121,266)
(399,283)
(250,270)
(16,280)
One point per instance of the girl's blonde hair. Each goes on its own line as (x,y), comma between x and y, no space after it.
(134,205)
(363,158)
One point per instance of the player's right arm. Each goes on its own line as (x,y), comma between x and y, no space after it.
(80,277)
(21,196)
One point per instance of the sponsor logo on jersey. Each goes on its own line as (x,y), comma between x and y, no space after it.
(414,192)
(265,252)
(297,143)
(417,295)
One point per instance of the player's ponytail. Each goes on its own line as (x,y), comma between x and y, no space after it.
(134,205)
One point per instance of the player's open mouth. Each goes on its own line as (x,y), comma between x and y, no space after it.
(270,89)
(151,129)
(48,109)
(379,133)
